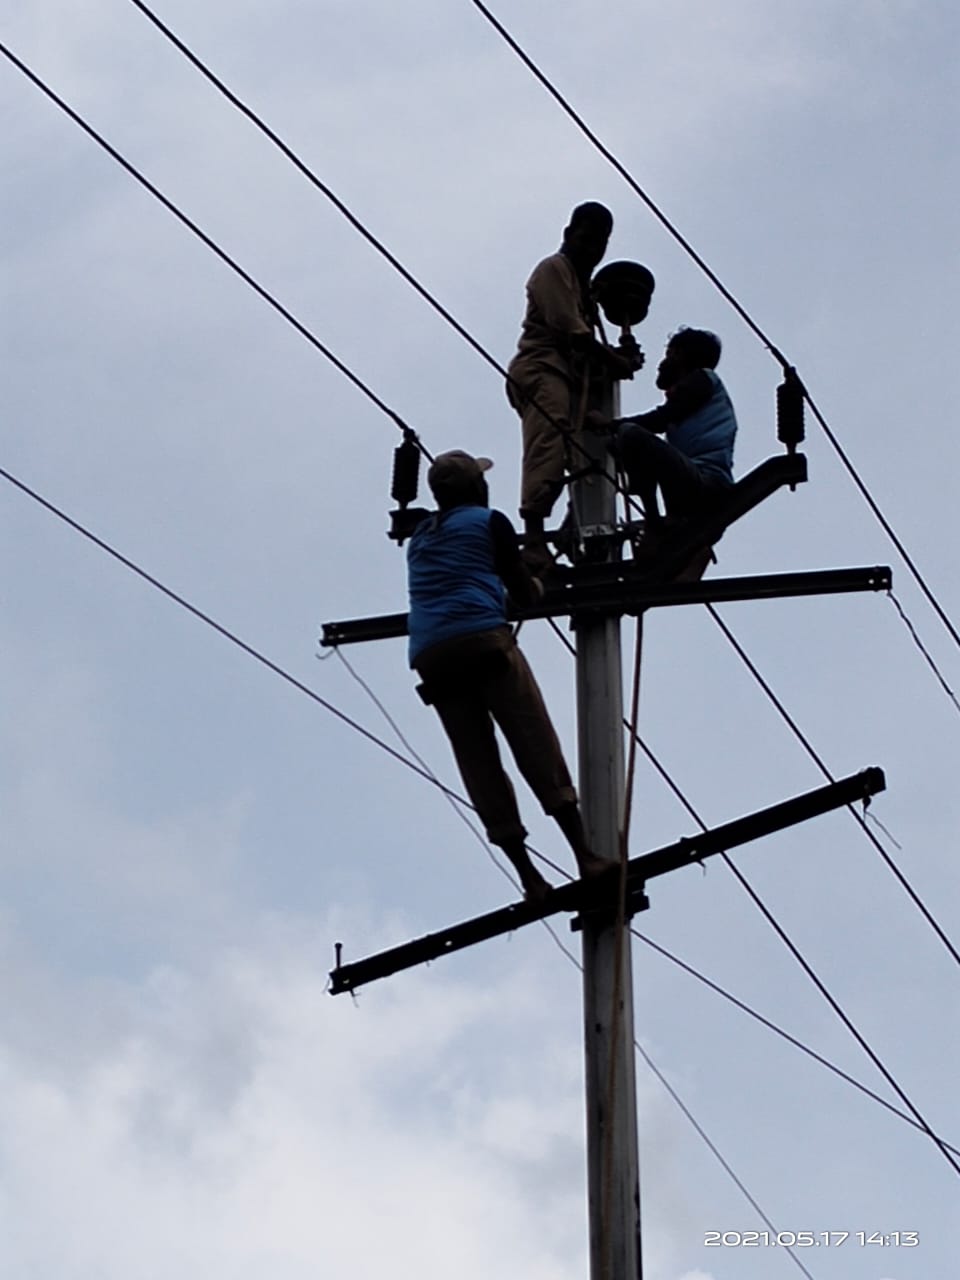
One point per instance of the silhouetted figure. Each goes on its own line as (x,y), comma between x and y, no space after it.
(692,467)
(459,562)
(548,377)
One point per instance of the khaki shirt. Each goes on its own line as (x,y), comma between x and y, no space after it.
(555,311)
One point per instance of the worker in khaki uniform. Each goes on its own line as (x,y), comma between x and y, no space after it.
(459,561)
(548,377)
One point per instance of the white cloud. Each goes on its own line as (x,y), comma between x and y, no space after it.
(242,1120)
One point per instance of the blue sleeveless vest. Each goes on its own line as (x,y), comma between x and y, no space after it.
(454,588)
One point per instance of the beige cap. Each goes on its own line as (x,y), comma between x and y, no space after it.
(456,469)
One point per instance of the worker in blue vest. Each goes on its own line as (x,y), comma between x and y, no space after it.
(461,561)
(692,464)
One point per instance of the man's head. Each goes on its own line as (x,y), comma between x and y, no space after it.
(585,237)
(687,350)
(458,479)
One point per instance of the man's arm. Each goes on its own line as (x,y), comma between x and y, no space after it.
(686,397)
(523,588)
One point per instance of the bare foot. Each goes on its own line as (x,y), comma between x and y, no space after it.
(535,887)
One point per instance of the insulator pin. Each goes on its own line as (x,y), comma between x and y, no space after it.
(790,429)
(406,471)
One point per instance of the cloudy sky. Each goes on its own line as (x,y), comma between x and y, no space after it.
(185,835)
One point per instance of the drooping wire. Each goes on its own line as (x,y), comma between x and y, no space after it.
(912,631)
(459,807)
(741,311)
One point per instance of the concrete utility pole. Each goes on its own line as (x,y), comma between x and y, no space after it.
(596,593)
(611,1109)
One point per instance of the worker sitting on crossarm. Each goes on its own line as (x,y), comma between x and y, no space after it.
(459,563)
(548,377)
(693,466)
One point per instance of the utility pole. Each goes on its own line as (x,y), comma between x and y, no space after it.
(596,593)
(613,1189)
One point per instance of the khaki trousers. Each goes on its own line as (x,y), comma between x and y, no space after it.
(476,682)
(551,414)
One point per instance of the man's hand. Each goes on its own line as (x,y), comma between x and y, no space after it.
(622,365)
(598,422)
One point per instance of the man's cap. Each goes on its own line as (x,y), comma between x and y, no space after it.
(456,469)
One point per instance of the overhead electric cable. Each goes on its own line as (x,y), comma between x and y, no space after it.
(239,270)
(928,657)
(434,302)
(806,744)
(716,1152)
(783,1034)
(250,280)
(651,1065)
(715,280)
(212,245)
(225,632)
(768,915)
(328,706)
(458,808)
(360,227)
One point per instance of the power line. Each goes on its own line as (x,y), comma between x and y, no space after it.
(328,706)
(212,245)
(225,632)
(928,658)
(459,806)
(784,1035)
(272,301)
(358,225)
(320,346)
(806,744)
(423,772)
(741,311)
(305,332)
(287,315)
(651,1065)
(768,915)
(463,332)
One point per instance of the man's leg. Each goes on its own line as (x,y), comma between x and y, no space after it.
(517,706)
(652,463)
(636,449)
(543,400)
(469,728)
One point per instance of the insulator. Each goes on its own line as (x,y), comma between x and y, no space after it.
(790,409)
(406,471)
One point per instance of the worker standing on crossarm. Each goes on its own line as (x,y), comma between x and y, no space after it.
(548,378)
(460,562)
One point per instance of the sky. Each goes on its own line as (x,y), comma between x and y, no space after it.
(185,835)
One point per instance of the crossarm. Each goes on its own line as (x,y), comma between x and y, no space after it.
(602,893)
